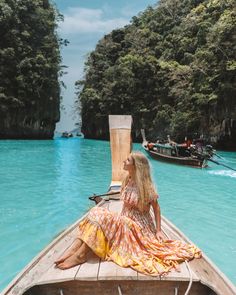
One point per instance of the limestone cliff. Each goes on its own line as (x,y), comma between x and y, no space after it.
(29,69)
(172,68)
(36,122)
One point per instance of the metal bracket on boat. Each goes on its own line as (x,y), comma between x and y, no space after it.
(61,292)
(119,290)
(107,197)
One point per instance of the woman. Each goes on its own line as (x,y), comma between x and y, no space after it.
(130,238)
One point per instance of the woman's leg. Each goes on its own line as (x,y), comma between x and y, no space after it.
(79,257)
(72,249)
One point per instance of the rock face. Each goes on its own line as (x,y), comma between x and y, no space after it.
(96,129)
(221,128)
(221,135)
(30,123)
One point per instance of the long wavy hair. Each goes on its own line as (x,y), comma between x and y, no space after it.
(142,178)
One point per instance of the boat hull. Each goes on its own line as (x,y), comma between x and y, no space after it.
(127,287)
(187,161)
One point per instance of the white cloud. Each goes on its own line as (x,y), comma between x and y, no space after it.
(83,20)
(129,11)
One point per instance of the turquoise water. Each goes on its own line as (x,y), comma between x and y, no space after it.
(45,187)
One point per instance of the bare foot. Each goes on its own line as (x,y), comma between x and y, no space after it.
(74,247)
(72,261)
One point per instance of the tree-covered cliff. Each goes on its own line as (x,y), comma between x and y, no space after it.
(29,69)
(173,68)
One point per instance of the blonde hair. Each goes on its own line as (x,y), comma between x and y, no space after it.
(143,179)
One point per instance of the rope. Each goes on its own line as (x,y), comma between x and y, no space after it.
(191,278)
(106,194)
(119,290)
(218,163)
(189,271)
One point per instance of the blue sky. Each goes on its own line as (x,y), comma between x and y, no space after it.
(85,22)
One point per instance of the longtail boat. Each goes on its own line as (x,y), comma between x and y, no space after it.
(40,277)
(176,154)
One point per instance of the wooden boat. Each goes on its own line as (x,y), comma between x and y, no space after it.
(40,277)
(172,154)
(66,134)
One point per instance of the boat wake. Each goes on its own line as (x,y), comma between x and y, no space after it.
(228,160)
(224,173)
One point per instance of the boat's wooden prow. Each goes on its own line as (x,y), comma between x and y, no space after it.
(120,140)
(102,277)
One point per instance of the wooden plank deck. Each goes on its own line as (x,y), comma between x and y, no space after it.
(94,269)
(86,271)
(32,276)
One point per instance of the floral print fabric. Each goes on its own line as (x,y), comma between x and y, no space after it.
(129,238)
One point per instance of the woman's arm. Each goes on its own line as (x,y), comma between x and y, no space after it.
(157,214)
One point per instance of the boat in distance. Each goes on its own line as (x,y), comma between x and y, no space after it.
(40,277)
(178,153)
(66,134)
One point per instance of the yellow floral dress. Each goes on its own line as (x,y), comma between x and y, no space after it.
(129,238)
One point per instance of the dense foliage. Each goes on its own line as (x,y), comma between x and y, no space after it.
(29,67)
(173,68)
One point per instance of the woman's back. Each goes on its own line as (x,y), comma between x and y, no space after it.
(131,208)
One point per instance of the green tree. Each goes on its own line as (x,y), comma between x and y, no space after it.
(29,68)
(173,68)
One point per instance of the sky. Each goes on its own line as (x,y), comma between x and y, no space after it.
(86,22)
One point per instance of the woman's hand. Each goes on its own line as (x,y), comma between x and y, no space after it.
(160,236)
